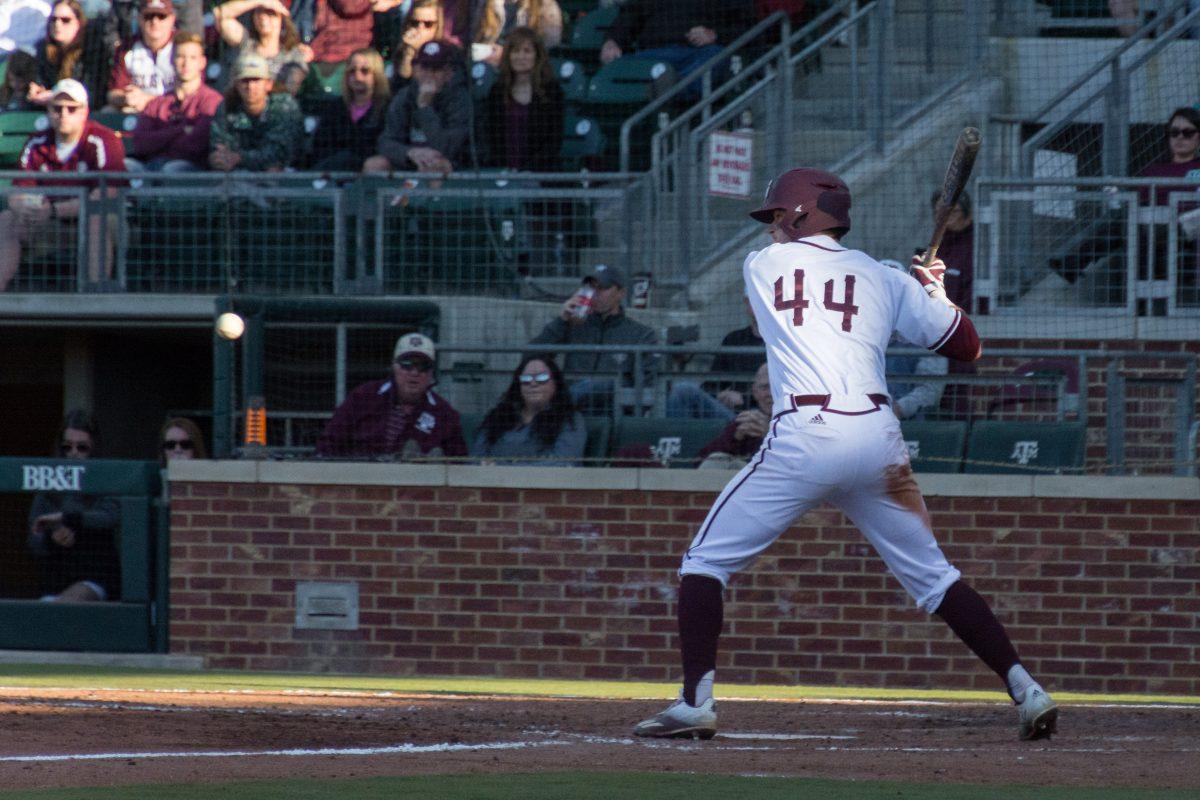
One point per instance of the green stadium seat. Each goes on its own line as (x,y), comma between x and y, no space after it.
(599,430)
(629,80)
(583,142)
(117,121)
(672,442)
(1025,447)
(588,33)
(15,129)
(483,77)
(571,77)
(470,424)
(935,446)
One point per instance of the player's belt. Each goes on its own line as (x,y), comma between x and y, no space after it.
(822,400)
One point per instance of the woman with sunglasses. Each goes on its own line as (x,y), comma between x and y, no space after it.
(73,535)
(424,23)
(181,440)
(1182,159)
(535,423)
(71,49)
(349,127)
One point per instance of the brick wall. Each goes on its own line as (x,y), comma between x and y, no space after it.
(1099,594)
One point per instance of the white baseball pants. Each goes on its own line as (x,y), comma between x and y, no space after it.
(860,464)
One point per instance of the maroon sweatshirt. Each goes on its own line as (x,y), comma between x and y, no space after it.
(161,127)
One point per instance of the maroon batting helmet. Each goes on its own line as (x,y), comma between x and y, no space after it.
(812,201)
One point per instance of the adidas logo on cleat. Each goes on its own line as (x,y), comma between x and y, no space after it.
(817,420)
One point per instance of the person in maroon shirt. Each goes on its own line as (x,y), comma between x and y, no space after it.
(742,437)
(400,418)
(172,130)
(1182,157)
(958,251)
(74,144)
(340,28)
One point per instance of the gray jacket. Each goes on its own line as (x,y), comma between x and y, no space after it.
(615,329)
(443,125)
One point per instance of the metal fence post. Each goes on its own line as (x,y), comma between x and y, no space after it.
(1185,409)
(1115,403)
(1115,155)
(880,34)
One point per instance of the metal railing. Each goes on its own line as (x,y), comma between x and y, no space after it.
(1126,246)
(1108,83)
(309,233)
(1013,385)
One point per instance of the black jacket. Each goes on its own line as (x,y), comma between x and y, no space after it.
(645,24)
(545,129)
(338,133)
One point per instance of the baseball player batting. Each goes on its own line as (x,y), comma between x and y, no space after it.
(826,314)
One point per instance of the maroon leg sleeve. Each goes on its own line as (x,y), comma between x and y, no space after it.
(701,614)
(972,620)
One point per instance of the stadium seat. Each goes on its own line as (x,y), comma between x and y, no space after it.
(117,121)
(670,442)
(587,36)
(599,430)
(15,129)
(583,143)
(571,78)
(483,76)
(935,446)
(618,91)
(470,424)
(1025,447)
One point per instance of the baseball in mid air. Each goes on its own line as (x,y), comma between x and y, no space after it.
(230,326)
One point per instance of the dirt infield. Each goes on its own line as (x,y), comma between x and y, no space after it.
(105,737)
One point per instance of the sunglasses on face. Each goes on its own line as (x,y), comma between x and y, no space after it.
(1182,133)
(422,23)
(66,448)
(414,366)
(539,378)
(178,444)
(59,108)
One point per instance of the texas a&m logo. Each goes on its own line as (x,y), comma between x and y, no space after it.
(1024,452)
(52,479)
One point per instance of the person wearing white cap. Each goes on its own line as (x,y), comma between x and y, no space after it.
(255,129)
(400,417)
(73,144)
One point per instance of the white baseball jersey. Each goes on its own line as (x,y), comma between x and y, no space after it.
(826,315)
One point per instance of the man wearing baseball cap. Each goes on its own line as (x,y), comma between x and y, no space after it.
(400,417)
(600,320)
(143,68)
(427,123)
(74,144)
(255,129)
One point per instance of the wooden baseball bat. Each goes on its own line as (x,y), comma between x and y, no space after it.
(957,174)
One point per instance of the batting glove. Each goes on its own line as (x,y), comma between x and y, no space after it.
(931,277)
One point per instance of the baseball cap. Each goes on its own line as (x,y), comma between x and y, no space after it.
(606,276)
(163,6)
(72,89)
(251,65)
(435,55)
(414,344)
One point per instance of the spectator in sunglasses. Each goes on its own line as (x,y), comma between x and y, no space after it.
(535,423)
(272,34)
(399,418)
(424,23)
(71,49)
(348,127)
(73,535)
(1182,156)
(145,68)
(181,439)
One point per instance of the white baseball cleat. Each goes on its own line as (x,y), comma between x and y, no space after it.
(1039,714)
(681,721)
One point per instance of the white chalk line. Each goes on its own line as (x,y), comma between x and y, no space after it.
(293,752)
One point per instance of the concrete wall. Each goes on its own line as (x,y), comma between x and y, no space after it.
(571,573)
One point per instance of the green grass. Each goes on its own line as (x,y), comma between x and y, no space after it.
(82,677)
(591,786)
